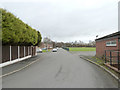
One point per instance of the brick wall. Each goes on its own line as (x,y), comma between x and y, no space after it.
(101,47)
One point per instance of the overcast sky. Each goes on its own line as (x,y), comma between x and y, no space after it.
(67,20)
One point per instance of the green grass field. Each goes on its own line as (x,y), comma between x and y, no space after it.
(82,49)
(46,50)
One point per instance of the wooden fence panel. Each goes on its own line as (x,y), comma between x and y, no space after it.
(14,52)
(33,51)
(26,50)
(21,51)
(5,53)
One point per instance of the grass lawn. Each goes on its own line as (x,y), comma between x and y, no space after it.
(82,49)
(46,50)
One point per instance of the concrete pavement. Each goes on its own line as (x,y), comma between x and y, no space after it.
(59,70)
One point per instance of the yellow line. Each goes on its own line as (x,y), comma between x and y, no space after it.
(18,69)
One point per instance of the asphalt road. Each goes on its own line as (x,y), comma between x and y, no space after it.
(59,70)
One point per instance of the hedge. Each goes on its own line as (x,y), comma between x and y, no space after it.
(16,32)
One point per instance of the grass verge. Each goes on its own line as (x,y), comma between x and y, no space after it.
(101,63)
(46,50)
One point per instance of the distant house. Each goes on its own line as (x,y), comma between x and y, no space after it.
(46,45)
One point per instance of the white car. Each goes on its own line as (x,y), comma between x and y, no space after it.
(57,48)
(54,50)
(39,50)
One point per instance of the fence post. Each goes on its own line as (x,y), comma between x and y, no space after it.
(110,58)
(18,52)
(105,57)
(24,51)
(28,50)
(118,62)
(10,52)
(31,50)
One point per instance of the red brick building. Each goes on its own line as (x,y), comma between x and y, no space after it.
(44,45)
(108,48)
(109,42)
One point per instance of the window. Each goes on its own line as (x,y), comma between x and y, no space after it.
(119,39)
(111,43)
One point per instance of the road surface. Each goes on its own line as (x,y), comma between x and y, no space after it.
(59,70)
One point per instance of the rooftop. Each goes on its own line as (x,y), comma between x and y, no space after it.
(109,36)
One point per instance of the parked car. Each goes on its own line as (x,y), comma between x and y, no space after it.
(39,50)
(54,50)
(44,48)
(50,47)
(57,48)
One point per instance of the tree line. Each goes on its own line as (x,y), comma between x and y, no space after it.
(75,44)
(79,43)
(16,32)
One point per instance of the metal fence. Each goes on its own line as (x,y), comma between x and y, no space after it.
(112,57)
(10,53)
(66,48)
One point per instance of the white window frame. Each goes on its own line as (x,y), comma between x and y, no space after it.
(109,43)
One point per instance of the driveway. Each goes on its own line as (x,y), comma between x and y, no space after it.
(59,70)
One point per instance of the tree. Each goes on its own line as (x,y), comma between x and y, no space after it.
(47,40)
(39,38)
(91,43)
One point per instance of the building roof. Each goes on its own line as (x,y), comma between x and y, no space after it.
(109,36)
